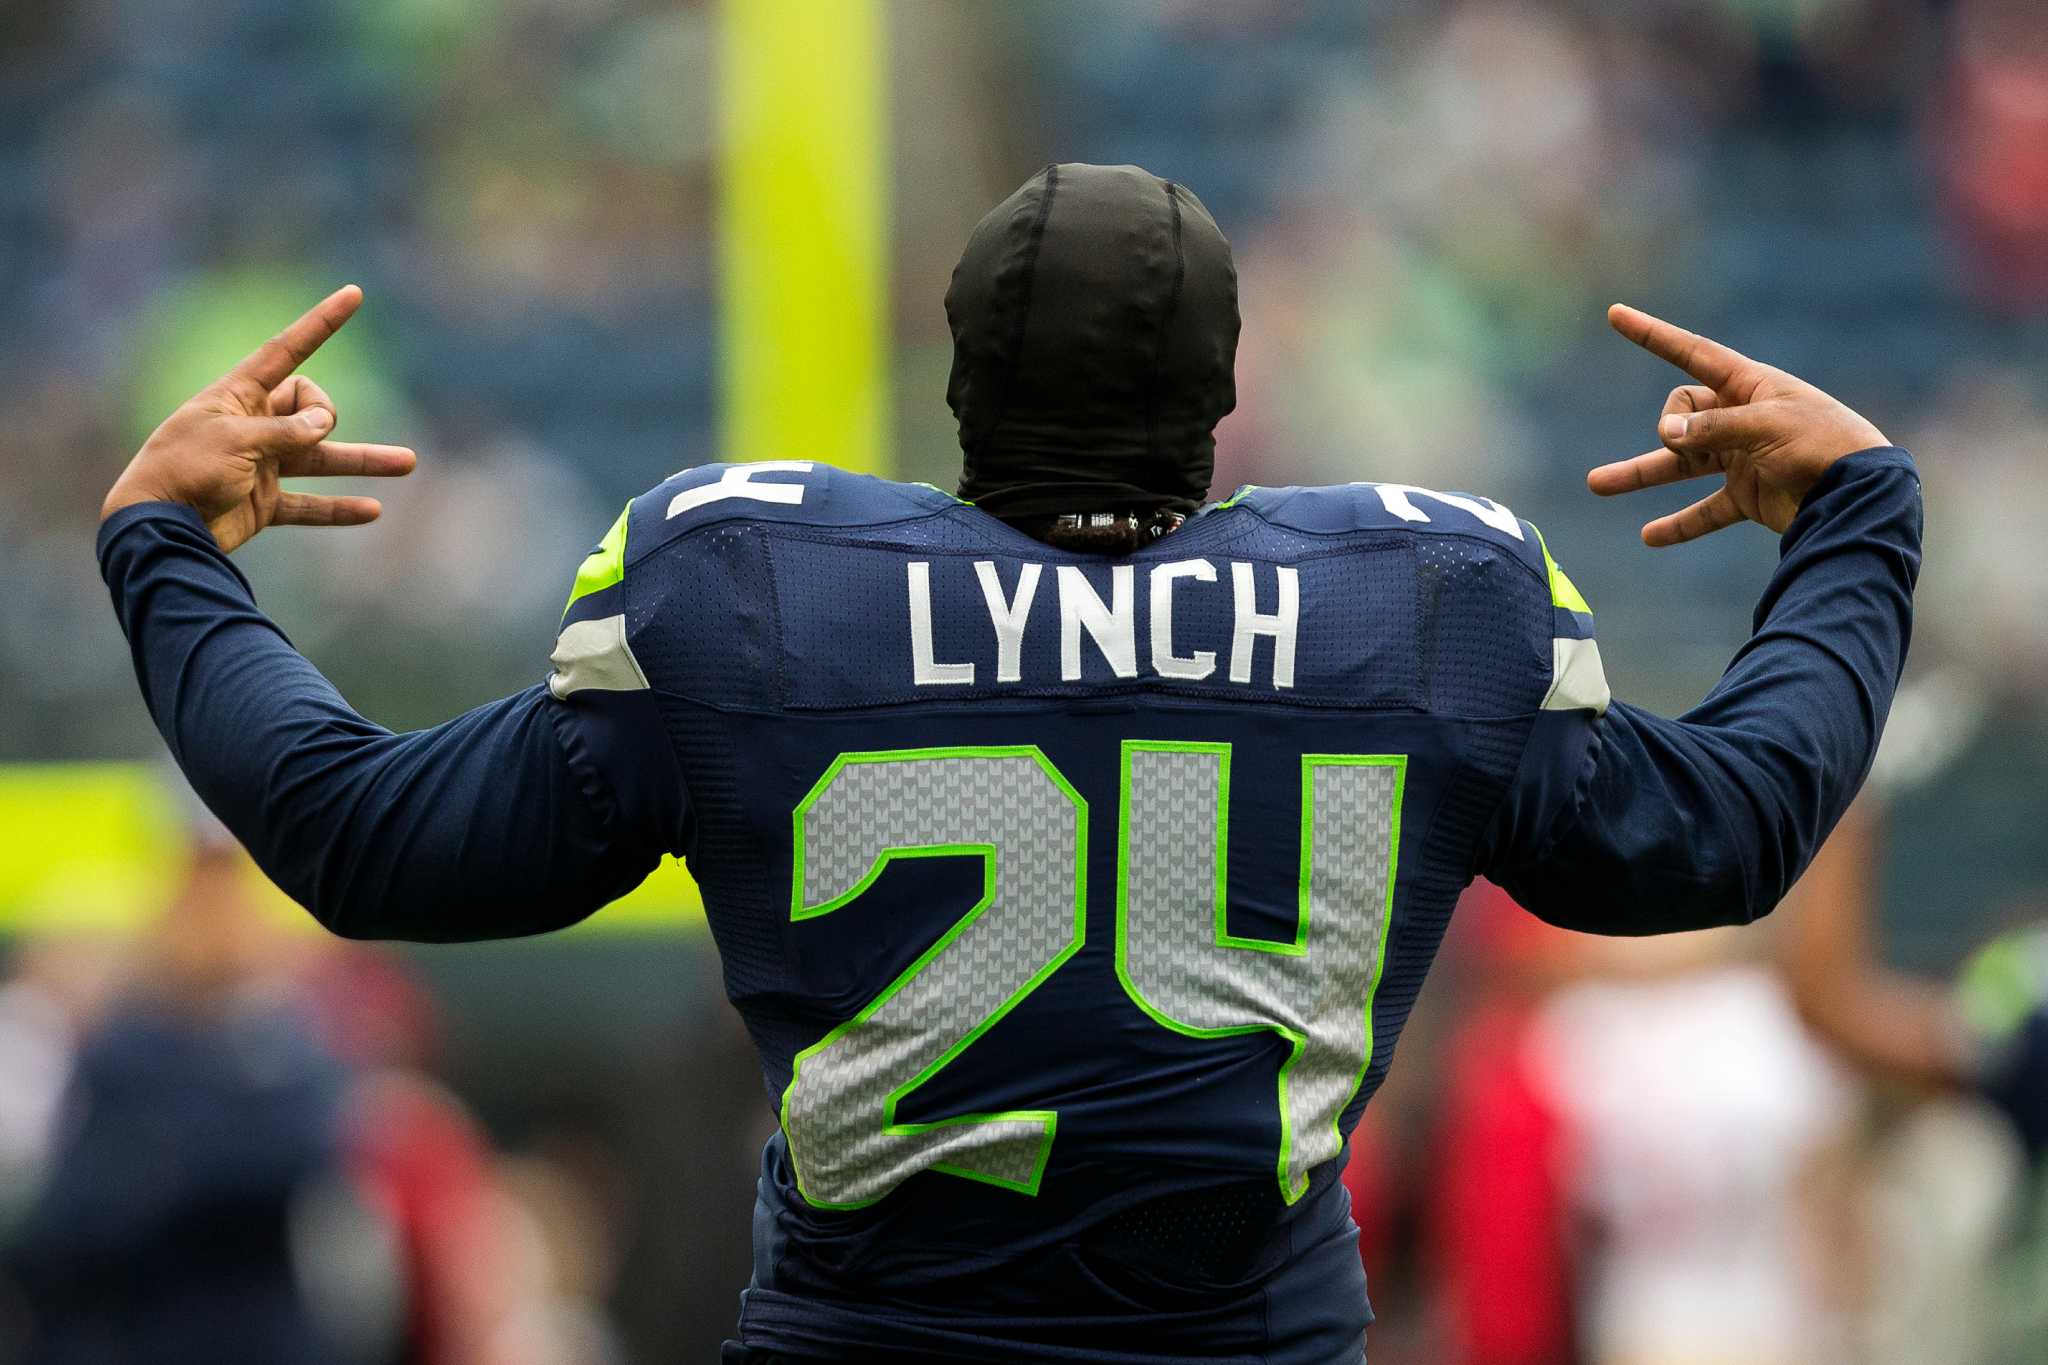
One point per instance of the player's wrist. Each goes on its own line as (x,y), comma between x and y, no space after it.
(129,491)
(1842,431)
(1853,439)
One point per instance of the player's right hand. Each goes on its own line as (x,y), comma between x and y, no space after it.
(224,451)
(1770,435)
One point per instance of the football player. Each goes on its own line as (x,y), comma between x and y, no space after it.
(1075,850)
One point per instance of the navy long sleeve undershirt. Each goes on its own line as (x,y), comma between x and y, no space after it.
(500,822)
(521,816)
(1634,824)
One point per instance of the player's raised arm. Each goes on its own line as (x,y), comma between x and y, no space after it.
(521,816)
(1631,823)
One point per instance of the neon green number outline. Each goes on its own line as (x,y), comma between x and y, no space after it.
(1297,1042)
(798,911)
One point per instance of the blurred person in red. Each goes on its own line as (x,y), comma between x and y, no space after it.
(201,1112)
(1498,1226)
(1628,1140)
(1990,143)
(415,1154)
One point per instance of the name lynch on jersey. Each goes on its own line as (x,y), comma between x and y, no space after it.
(1112,626)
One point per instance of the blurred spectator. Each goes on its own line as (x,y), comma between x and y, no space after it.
(1628,1134)
(1500,1216)
(1695,1112)
(1988,1038)
(56,988)
(1991,142)
(464,1281)
(201,1111)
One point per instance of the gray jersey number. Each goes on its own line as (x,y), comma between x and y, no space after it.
(1182,965)
(1011,808)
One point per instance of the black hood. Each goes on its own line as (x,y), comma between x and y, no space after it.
(1094,318)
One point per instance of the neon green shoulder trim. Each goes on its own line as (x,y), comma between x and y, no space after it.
(1563,593)
(920,483)
(603,566)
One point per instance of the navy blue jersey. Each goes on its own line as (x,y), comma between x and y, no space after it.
(1097,892)
(1075,905)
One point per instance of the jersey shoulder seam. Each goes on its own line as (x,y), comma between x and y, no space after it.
(817,532)
(1408,536)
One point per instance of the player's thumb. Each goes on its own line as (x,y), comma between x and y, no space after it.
(1700,433)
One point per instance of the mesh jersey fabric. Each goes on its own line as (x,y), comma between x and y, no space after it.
(776,637)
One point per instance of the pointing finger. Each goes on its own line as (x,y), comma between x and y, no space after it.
(1707,361)
(1649,471)
(331,459)
(272,362)
(1708,515)
(309,509)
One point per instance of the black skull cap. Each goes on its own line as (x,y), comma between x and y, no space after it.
(1094,318)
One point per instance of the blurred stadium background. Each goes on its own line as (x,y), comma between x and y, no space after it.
(606,239)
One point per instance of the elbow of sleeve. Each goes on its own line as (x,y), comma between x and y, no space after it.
(1748,884)
(1755,905)
(331,906)
(362,922)
(344,921)
(1763,815)
(322,882)
(1673,892)
(411,903)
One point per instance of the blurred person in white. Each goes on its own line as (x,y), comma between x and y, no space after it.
(568,1198)
(57,985)
(1629,1148)
(1626,1155)
(201,1109)
(1984,1039)
(1694,1112)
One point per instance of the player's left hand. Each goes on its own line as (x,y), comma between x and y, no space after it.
(1769,435)
(224,451)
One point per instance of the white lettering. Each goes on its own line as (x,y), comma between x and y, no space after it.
(1396,497)
(924,669)
(1111,624)
(1114,628)
(1251,623)
(738,482)
(1008,618)
(1165,662)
